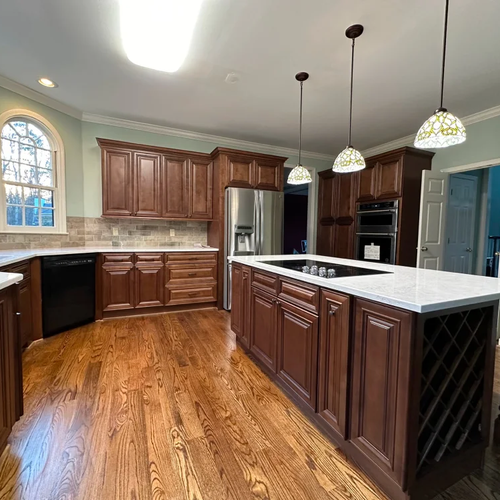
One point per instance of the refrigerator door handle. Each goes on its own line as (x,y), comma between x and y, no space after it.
(258,220)
(261,225)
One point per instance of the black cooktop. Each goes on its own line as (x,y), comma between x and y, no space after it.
(323,269)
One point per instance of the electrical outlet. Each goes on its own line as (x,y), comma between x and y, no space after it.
(172,232)
(115,231)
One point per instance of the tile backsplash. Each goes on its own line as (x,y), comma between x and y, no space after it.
(89,231)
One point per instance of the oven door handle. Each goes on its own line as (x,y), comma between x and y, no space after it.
(377,234)
(384,211)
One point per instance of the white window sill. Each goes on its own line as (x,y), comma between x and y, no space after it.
(38,233)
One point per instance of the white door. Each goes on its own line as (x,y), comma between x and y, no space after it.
(460,223)
(431,230)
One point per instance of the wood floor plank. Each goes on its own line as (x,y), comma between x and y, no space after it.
(170,408)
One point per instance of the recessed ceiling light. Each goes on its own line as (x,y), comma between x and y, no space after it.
(46,82)
(157,33)
(232,78)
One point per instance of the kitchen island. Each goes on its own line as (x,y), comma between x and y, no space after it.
(395,364)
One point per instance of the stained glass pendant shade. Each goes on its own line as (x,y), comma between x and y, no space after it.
(350,159)
(300,174)
(442,129)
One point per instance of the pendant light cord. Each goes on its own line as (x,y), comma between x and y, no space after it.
(445,36)
(349,145)
(300,125)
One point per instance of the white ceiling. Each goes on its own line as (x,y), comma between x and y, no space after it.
(77,44)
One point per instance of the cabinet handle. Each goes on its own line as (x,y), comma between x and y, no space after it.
(244,278)
(191,274)
(192,294)
(18,314)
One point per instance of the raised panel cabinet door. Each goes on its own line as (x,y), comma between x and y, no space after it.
(236,299)
(118,286)
(240,172)
(117,185)
(326,213)
(201,189)
(26,322)
(149,285)
(298,351)
(366,183)
(147,185)
(333,361)
(263,334)
(389,178)
(344,237)
(245,304)
(380,386)
(269,175)
(175,187)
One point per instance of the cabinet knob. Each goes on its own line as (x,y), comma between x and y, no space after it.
(18,314)
(332,312)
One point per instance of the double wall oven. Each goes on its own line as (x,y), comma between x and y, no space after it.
(376,231)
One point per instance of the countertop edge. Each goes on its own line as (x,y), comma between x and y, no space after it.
(8,279)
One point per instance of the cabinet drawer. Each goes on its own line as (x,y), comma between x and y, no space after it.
(176,295)
(300,294)
(149,258)
(116,258)
(265,281)
(186,258)
(191,273)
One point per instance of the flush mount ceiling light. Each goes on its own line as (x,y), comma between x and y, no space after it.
(47,82)
(350,160)
(442,129)
(300,174)
(157,33)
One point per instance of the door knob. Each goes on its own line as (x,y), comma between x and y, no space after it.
(497,254)
(468,249)
(424,249)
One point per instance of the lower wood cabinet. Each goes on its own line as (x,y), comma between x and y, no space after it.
(380,386)
(118,291)
(298,350)
(149,285)
(334,361)
(11,380)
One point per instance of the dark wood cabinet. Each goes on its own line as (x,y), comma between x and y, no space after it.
(240,302)
(263,332)
(117,175)
(334,361)
(298,350)
(149,181)
(11,382)
(240,171)
(366,182)
(389,178)
(118,290)
(380,386)
(201,189)
(149,280)
(175,187)
(336,214)
(147,185)
(269,174)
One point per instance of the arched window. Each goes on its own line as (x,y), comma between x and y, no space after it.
(32,195)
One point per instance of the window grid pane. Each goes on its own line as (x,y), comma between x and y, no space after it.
(27,161)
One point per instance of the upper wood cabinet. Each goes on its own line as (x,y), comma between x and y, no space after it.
(175,187)
(147,181)
(250,170)
(366,183)
(389,178)
(147,185)
(117,186)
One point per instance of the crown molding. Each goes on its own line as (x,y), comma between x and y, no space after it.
(217,139)
(482,116)
(38,97)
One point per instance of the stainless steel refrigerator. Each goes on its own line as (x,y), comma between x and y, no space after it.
(253,226)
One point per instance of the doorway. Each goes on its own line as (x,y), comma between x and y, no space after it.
(299,215)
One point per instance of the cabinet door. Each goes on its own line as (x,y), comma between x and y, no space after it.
(298,350)
(240,172)
(201,188)
(333,361)
(236,299)
(269,175)
(366,183)
(26,322)
(147,185)
(245,301)
(118,286)
(380,385)
(344,238)
(326,216)
(389,174)
(149,285)
(263,327)
(175,187)
(117,187)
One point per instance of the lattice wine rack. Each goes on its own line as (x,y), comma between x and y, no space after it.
(452,384)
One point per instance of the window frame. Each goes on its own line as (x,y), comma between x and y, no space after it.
(58,173)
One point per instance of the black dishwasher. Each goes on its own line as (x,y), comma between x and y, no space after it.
(68,292)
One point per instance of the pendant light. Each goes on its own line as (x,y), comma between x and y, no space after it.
(350,160)
(300,174)
(442,129)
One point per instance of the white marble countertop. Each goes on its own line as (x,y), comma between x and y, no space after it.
(419,290)
(8,279)
(12,256)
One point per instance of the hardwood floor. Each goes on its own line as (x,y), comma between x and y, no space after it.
(169,408)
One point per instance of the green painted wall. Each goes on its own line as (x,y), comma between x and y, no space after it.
(71,132)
